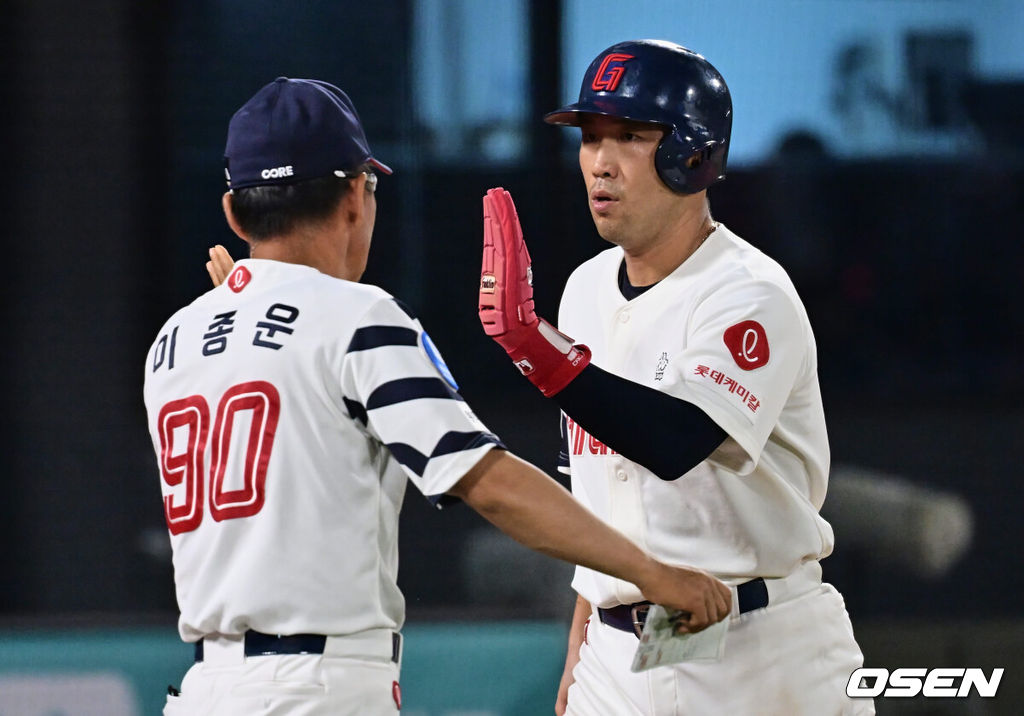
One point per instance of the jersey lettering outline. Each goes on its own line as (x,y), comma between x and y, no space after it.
(193,413)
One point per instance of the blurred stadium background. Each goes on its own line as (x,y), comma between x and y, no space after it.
(878,154)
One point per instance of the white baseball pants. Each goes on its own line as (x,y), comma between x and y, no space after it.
(339,682)
(791,658)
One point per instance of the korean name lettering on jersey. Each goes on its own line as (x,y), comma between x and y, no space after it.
(277,320)
(215,340)
(278,316)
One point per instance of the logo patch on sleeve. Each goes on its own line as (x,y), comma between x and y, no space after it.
(748,344)
(435,357)
(239,279)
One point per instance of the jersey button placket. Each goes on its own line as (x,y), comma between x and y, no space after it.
(625,514)
(619,340)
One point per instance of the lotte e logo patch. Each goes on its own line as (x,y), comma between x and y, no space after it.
(748,344)
(239,279)
(609,74)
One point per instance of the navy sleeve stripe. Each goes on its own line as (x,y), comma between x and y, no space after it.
(451,442)
(405,309)
(355,410)
(370,337)
(406,389)
(458,442)
(409,456)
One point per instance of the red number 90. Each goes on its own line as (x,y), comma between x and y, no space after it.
(185,465)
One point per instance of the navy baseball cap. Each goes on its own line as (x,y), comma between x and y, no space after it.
(293,130)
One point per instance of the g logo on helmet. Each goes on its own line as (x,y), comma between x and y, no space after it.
(748,344)
(609,74)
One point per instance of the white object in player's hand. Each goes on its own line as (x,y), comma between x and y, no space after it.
(660,643)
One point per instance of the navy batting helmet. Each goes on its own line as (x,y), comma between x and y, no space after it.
(666,84)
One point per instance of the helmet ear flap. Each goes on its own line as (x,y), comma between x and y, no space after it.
(673,162)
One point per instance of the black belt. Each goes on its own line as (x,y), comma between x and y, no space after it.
(631,617)
(260,644)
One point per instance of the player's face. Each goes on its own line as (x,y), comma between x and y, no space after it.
(630,205)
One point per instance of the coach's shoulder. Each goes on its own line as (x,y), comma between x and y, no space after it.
(372,304)
(351,293)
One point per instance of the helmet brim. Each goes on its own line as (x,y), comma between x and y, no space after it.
(573,115)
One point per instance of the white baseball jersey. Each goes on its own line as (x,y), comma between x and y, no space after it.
(287,410)
(727,332)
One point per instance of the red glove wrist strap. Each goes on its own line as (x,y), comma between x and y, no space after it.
(550,363)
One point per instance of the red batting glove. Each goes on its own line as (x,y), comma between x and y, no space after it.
(543,354)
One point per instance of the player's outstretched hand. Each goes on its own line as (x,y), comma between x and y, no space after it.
(219,265)
(506,276)
(703,599)
(543,354)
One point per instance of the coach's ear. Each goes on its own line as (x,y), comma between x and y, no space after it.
(225,202)
(354,203)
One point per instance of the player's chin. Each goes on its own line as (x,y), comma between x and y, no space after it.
(608,229)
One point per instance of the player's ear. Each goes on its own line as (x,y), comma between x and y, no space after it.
(225,203)
(354,201)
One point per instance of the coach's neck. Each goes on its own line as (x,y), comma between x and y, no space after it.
(337,245)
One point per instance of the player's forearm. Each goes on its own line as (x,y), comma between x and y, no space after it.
(535,510)
(666,435)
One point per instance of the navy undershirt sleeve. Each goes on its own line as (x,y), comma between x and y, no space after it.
(666,435)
